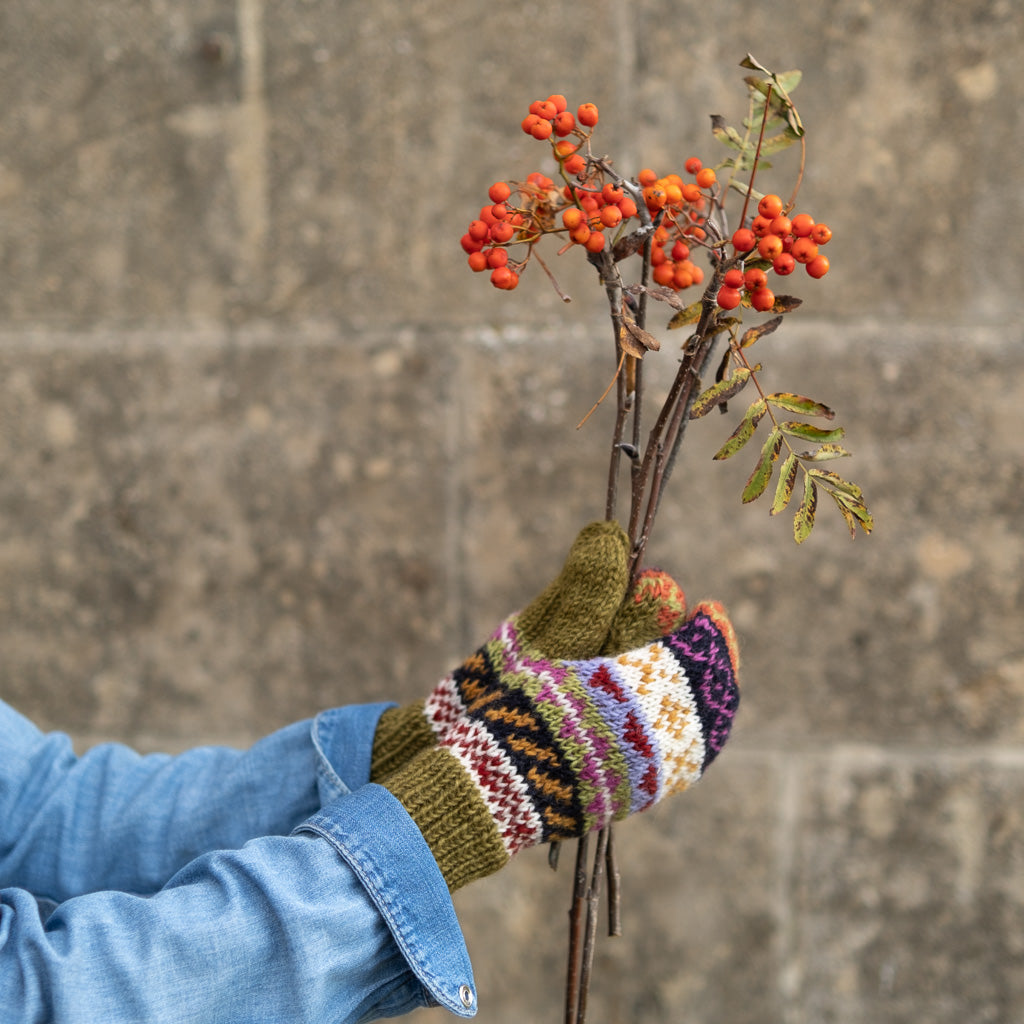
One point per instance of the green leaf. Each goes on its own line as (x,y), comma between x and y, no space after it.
(690,315)
(726,133)
(720,392)
(809,432)
(744,432)
(787,481)
(803,521)
(825,453)
(758,480)
(834,480)
(799,404)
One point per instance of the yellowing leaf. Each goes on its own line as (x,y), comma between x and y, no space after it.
(758,480)
(720,392)
(744,432)
(825,453)
(635,341)
(757,332)
(803,521)
(690,315)
(799,404)
(809,432)
(787,481)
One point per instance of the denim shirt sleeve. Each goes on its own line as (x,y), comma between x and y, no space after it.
(346,920)
(115,819)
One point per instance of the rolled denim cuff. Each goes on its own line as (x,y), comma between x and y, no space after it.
(343,740)
(375,836)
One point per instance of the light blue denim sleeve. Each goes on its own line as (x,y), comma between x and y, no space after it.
(113,819)
(347,919)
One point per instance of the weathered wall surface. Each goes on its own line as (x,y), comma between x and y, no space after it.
(267,446)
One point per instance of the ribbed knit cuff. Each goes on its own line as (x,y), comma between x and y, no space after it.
(401,734)
(451,815)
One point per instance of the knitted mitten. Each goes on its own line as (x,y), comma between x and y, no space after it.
(571,618)
(533,747)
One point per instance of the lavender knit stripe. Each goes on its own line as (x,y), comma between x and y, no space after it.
(702,651)
(590,744)
(618,705)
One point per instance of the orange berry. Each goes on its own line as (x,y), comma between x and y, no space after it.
(611,216)
(770,206)
(499,192)
(574,164)
(499,211)
(706,177)
(580,234)
(559,101)
(755,277)
(545,109)
(762,299)
(470,244)
(683,276)
(680,251)
(804,250)
(477,261)
(586,114)
(504,277)
(664,274)
(528,122)
(770,246)
(673,195)
(572,218)
(692,165)
(781,226)
(802,225)
(628,208)
(501,232)
(541,129)
(691,192)
(595,243)
(761,226)
(478,230)
(646,177)
(733,278)
(818,267)
(654,197)
(612,193)
(821,233)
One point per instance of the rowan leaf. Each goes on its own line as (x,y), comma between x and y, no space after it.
(799,404)
(755,333)
(803,521)
(726,133)
(834,480)
(855,507)
(744,432)
(720,392)
(825,453)
(689,315)
(809,432)
(758,480)
(787,481)
(786,303)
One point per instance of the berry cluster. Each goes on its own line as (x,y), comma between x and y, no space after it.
(777,242)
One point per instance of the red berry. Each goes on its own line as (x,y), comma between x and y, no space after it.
(664,274)
(574,164)
(478,230)
(733,278)
(783,264)
(497,258)
(595,243)
(565,124)
(628,208)
(501,233)
(477,261)
(499,192)
(559,101)
(680,251)
(762,299)
(818,267)
(541,129)
(693,165)
(587,115)
(728,298)
(781,226)
(471,244)
(743,240)
(502,277)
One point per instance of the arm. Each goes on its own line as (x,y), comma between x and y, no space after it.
(348,919)
(113,819)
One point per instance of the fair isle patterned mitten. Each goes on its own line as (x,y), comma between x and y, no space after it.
(571,618)
(532,748)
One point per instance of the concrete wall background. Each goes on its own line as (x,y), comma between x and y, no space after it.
(267,446)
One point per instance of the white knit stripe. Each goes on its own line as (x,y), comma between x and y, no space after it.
(670,708)
(443,707)
(503,790)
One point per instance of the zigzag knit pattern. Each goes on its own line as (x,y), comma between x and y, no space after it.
(558,748)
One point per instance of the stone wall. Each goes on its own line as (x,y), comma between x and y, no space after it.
(267,446)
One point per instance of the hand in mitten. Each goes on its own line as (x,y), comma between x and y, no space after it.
(537,737)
